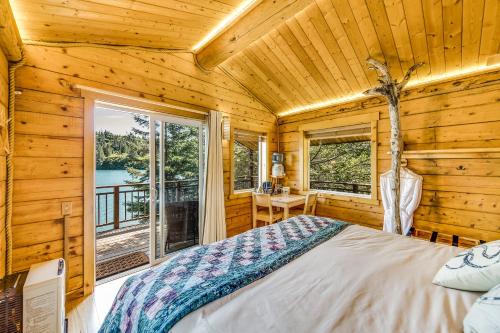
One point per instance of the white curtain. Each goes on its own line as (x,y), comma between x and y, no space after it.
(409,198)
(214,228)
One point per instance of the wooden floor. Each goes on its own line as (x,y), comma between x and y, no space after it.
(88,315)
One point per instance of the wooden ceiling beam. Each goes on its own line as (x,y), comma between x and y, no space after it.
(265,16)
(10,40)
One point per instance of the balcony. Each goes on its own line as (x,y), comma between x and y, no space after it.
(122,223)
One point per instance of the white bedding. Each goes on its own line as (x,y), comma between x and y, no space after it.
(361,280)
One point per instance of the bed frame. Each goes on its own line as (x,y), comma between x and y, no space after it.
(438,237)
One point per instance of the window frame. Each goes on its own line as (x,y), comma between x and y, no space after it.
(264,160)
(370,118)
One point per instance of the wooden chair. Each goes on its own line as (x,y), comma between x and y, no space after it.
(309,206)
(267,214)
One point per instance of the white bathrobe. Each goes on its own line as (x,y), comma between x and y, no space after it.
(410,194)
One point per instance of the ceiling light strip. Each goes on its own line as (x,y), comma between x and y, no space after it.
(411,84)
(222,25)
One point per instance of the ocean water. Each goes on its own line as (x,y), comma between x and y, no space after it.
(111,177)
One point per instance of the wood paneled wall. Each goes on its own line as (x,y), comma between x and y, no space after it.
(4,97)
(49,135)
(460,196)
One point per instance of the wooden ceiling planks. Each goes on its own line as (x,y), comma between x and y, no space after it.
(324,47)
(452,22)
(348,48)
(260,17)
(10,40)
(418,40)
(433,18)
(490,37)
(302,51)
(472,28)
(380,20)
(172,24)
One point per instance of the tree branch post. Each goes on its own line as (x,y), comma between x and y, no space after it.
(391,90)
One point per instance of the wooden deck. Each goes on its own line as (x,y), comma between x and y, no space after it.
(122,242)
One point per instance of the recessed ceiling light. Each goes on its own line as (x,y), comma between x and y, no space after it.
(413,83)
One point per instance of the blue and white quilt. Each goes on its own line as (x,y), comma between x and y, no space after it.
(157,299)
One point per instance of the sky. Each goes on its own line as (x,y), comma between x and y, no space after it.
(116,122)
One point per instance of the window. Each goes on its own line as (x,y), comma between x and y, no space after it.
(339,157)
(249,160)
(339,160)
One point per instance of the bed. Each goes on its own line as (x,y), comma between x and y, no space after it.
(355,279)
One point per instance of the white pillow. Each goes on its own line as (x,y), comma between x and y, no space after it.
(484,316)
(476,269)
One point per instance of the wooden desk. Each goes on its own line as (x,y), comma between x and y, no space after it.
(287,201)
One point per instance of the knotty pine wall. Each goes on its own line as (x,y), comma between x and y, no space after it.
(459,196)
(49,135)
(4,97)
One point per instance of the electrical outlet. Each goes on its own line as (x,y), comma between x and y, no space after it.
(67,208)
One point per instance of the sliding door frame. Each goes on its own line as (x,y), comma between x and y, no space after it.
(131,103)
(168,119)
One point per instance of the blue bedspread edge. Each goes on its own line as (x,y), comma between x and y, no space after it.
(218,287)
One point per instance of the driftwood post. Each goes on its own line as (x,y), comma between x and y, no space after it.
(391,90)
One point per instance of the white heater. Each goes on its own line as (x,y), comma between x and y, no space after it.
(43,298)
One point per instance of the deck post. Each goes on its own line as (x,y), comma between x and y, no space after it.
(116,207)
(177,191)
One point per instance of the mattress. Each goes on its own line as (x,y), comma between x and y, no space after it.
(361,280)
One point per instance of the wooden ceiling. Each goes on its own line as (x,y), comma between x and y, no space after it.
(172,24)
(320,53)
(300,52)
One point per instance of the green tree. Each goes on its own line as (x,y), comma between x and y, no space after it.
(113,150)
(246,166)
(181,161)
(332,164)
(181,152)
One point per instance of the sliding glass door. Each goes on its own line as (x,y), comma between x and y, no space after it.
(177,167)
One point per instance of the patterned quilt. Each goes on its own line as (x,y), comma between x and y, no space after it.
(157,299)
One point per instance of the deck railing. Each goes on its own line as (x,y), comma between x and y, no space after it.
(119,206)
(244,183)
(356,188)
(122,205)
